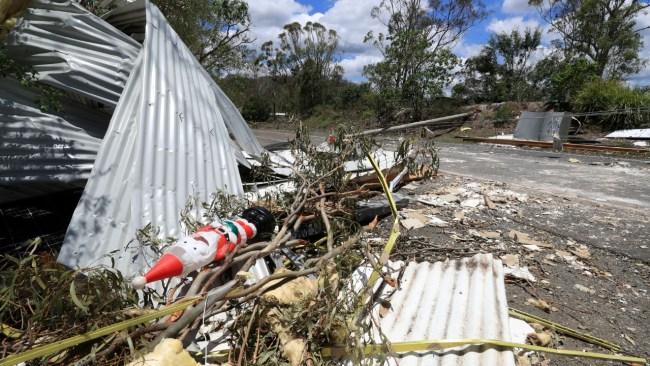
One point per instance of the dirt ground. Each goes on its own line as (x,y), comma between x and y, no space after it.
(587,258)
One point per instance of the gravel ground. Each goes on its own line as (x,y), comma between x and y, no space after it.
(589,259)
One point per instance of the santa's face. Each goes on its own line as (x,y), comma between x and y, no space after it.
(197,250)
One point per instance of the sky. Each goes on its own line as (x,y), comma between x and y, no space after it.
(351,19)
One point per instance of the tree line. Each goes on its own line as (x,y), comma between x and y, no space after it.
(595,47)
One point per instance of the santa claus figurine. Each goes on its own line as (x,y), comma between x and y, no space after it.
(210,243)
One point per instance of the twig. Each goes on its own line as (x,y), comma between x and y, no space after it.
(326,221)
(193,312)
(242,350)
(276,276)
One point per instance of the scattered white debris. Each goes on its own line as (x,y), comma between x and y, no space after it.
(471,203)
(585,289)
(519,330)
(434,221)
(510,260)
(519,272)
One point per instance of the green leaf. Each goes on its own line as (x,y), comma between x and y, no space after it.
(75,299)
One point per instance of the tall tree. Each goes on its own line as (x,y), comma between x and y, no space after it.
(501,71)
(305,57)
(604,31)
(216,31)
(417,60)
(559,79)
(515,49)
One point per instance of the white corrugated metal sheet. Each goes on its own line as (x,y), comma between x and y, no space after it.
(641,134)
(167,141)
(42,152)
(542,126)
(131,19)
(450,300)
(74,50)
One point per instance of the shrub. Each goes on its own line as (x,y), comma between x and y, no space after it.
(611,95)
(256,109)
(504,114)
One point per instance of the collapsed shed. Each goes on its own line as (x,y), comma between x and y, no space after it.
(143,126)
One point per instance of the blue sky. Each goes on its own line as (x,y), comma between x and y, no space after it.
(352,20)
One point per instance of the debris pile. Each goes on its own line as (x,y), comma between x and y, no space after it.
(339,253)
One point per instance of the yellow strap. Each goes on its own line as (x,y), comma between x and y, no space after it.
(58,346)
(394,233)
(530,318)
(401,347)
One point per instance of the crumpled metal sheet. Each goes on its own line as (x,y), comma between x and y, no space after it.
(167,141)
(454,299)
(131,19)
(542,126)
(236,124)
(73,50)
(639,134)
(42,152)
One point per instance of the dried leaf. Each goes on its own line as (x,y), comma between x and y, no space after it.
(510,260)
(524,238)
(582,252)
(541,304)
(373,224)
(540,339)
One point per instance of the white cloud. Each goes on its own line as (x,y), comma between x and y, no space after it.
(466,50)
(521,23)
(643,77)
(268,17)
(350,18)
(516,7)
(354,66)
(507,25)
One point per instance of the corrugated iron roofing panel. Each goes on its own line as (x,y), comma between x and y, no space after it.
(41,152)
(131,19)
(167,141)
(541,126)
(74,50)
(640,133)
(454,299)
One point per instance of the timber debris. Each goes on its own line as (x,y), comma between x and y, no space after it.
(344,252)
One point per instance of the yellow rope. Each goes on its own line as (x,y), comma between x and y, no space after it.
(58,346)
(428,345)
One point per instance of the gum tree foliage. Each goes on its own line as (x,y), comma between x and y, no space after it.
(305,59)
(500,72)
(416,48)
(603,31)
(558,79)
(216,31)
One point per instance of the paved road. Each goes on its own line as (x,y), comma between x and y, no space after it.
(616,181)
(611,180)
